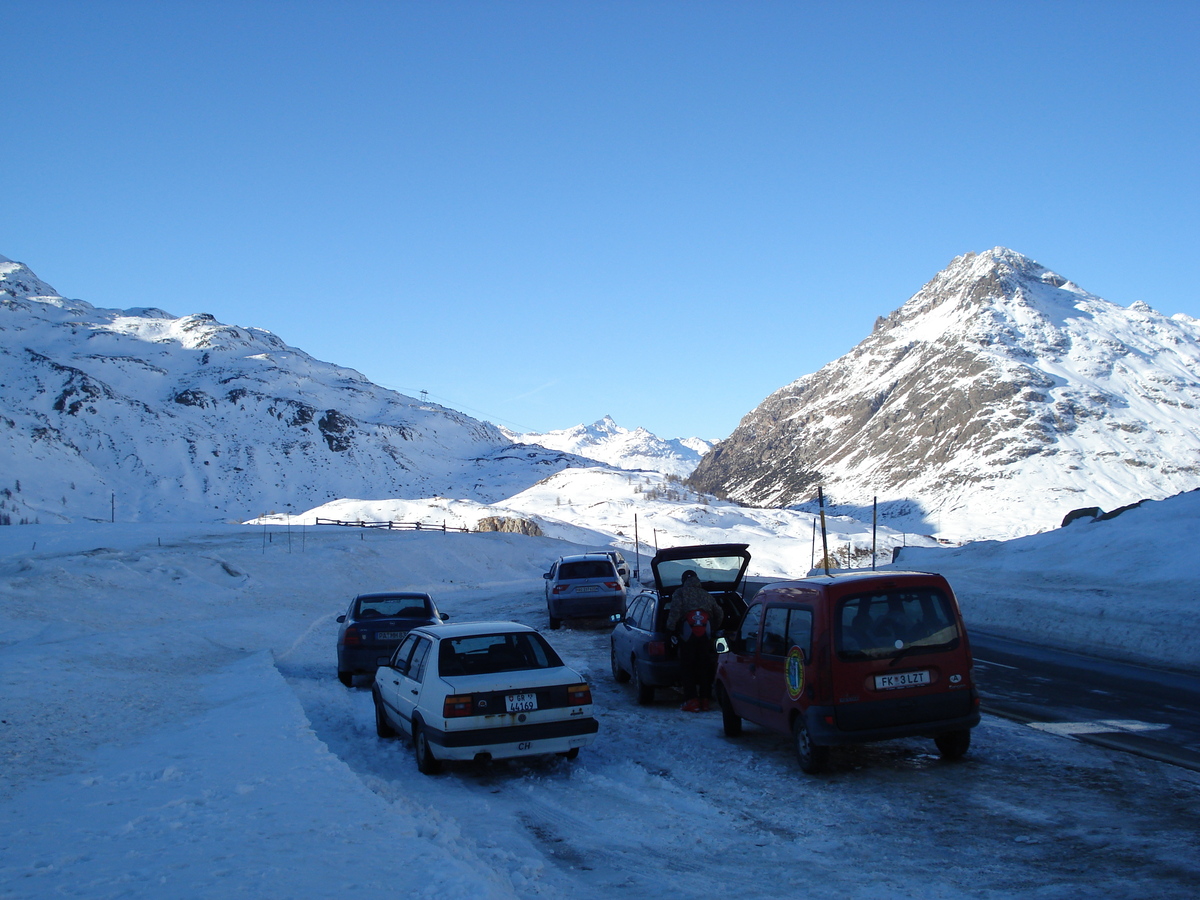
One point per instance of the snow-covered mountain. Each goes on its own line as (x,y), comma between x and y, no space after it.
(607,442)
(142,415)
(998,398)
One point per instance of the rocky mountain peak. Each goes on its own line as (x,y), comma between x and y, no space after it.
(607,442)
(976,290)
(997,369)
(17,282)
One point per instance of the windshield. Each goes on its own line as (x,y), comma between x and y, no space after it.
(484,654)
(887,623)
(722,569)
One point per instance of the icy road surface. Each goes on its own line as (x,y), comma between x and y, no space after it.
(172,727)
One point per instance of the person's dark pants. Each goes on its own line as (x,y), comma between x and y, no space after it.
(697,669)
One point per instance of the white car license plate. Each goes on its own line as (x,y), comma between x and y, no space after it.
(587,588)
(901,680)
(388,635)
(520,702)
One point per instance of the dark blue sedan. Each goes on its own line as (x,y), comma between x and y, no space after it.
(374,626)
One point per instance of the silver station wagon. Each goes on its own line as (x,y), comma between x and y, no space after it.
(583,586)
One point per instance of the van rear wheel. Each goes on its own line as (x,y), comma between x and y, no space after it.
(730,721)
(812,758)
(953,744)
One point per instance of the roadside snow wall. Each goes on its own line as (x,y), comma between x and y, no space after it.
(1125,588)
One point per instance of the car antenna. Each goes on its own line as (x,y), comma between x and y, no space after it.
(824,539)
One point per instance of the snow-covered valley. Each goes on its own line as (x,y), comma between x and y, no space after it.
(173,728)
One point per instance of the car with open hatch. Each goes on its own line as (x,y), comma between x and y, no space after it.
(850,658)
(640,647)
(482,691)
(585,585)
(375,624)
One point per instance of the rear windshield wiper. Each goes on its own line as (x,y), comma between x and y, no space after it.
(903,653)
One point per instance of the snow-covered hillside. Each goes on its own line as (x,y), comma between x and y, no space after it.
(607,442)
(142,415)
(596,507)
(997,399)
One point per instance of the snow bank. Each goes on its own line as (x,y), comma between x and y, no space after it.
(1126,588)
(242,801)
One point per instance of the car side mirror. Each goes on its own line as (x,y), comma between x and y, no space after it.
(722,645)
(617,618)
(545,574)
(341,619)
(444,616)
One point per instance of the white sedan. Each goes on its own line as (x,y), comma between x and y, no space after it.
(482,690)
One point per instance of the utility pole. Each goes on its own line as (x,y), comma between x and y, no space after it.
(637,551)
(824,538)
(874,528)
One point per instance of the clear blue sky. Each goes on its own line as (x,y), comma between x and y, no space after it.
(543,212)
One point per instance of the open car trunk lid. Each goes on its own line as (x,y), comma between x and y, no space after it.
(720,568)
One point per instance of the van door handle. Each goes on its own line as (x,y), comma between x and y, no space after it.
(395,682)
(414,693)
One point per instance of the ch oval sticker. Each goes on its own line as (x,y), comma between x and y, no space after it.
(794,671)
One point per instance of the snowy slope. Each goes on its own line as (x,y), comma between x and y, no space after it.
(596,507)
(143,415)
(607,442)
(997,399)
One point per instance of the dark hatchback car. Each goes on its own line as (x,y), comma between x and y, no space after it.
(374,625)
(640,645)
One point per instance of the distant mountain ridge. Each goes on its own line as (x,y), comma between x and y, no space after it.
(147,416)
(607,442)
(1000,393)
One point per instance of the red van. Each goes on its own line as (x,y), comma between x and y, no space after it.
(851,658)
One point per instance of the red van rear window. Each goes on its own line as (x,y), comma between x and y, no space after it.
(885,623)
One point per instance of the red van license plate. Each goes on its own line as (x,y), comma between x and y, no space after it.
(901,680)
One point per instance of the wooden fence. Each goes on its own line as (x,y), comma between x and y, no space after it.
(395,526)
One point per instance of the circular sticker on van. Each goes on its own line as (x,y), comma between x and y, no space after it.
(794,672)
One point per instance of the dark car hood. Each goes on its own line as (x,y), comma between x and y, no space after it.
(670,564)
